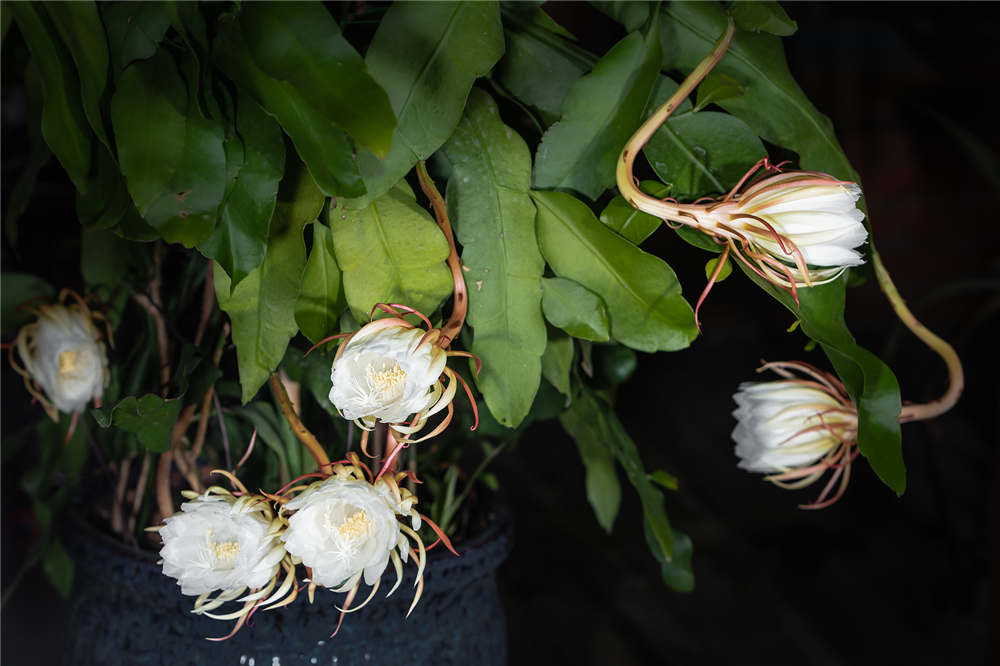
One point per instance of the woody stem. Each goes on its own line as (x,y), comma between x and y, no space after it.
(956,377)
(626,180)
(461,305)
(307,438)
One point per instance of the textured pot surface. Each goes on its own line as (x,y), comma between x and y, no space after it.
(127,612)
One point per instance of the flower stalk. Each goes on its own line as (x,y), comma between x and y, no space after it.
(304,435)
(956,376)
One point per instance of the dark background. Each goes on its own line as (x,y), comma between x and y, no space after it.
(875,578)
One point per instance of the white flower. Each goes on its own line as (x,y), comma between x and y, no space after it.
(63,355)
(343,527)
(221,543)
(795,430)
(387,373)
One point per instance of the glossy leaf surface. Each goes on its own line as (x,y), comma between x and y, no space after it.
(321,298)
(575,309)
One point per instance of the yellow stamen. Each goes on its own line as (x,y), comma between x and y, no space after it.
(227,550)
(68,361)
(386,383)
(356,525)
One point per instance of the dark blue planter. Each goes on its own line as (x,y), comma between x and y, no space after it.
(127,612)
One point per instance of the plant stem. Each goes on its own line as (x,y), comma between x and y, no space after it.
(461,305)
(626,180)
(956,376)
(306,437)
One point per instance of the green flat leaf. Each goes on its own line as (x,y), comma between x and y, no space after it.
(715,88)
(558,360)
(39,155)
(710,266)
(262,306)
(321,299)
(81,30)
(58,567)
(600,112)
(426,56)
(391,251)
(575,309)
(763,16)
(301,44)
(106,201)
(665,479)
(640,291)
(615,364)
(772,104)
(538,67)
(676,571)
(135,30)
(629,221)
(172,159)
(491,209)
(103,257)
(604,490)
(17,289)
(701,153)
(325,148)
(255,162)
(64,123)
(630,13)
(150,418)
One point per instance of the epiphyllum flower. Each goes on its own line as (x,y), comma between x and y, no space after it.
(347,529)
(389,371)
(224,543)
(795,429)
(65,364)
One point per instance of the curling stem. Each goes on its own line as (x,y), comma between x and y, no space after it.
(956,377)
(306,437)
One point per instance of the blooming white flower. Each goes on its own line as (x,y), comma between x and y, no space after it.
(63,355)
(220,542)
(342,527)
(795,429)
(387,373)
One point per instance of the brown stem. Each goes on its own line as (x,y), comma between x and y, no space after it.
(956,376)
(206,402)
(461,306)
(306,437)
(140,492)
(117,517)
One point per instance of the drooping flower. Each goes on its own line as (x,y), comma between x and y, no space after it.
(796,429)
(797,228)
(63,359)
(392,371)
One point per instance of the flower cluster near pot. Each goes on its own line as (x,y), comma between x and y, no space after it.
(245,179)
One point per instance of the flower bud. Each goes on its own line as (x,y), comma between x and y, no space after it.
(796,429)
(220,542)
(65,364)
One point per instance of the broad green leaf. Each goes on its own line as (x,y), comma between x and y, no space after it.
(539,66)
(715,88)
(426,56)
(106,201)
(150,418)
(64,123)
(575,309)
(301,44)
(558,360)
(641,291)
(81,30)
(588,430)
(324,148)
(675,571)
(630,13)
(664,479)
(255,162)
(701,153)
(763,16)
(262,306)
(58,567)
(628,220)
(711,265)
(491,209)
(772,104)
(321,300)
(172,159)
(600,112)
(16,290)
(135,30)
(103,257)
(390,251)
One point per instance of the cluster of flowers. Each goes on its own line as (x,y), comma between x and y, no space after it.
(344,530)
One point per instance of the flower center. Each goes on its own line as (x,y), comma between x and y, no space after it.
(386,384)
(69,361)
(355,526)
(225,552)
